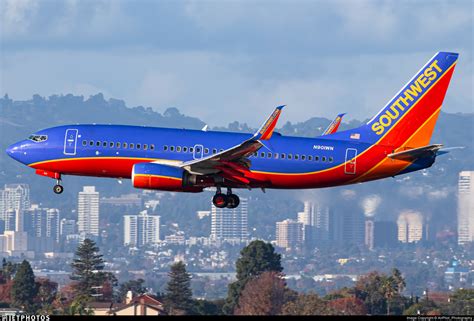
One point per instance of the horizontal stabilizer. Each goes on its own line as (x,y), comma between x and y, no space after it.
(416,153)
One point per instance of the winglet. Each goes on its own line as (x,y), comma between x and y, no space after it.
(266,130)
(334,125)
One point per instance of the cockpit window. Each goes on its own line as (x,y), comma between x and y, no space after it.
(38,138)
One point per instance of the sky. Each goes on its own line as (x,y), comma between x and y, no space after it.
(223,61)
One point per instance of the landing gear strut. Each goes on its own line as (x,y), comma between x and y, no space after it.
(229,200)
(58,188)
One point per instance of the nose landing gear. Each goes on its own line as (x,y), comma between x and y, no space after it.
(229,200)
(58,188)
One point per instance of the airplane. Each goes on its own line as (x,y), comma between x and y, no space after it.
(393,142)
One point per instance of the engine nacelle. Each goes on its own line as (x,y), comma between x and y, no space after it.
(162,177)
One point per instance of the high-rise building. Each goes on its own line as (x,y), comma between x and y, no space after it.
(385,234)
(141,229)
(410,227)
(230,225)
(466,207)
(42,222)
(315,219)
(289,234)
(369,233)
(88,211)
(14,199)
(67,227)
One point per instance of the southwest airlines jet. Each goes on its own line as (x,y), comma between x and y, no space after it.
(394,142)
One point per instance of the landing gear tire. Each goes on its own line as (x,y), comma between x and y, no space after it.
(58,189)
(220,200)
(232,201)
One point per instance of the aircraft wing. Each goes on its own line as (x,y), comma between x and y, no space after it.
(416,153)
(233,163)
(334,125)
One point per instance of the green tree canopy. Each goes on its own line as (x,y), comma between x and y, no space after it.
(87,269)
(24,288)
(255,258)
(179,297)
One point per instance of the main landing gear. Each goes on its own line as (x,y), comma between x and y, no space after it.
(229,200)
(58,188)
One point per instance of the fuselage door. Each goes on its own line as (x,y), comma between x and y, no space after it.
(350,164)
(198,151)
(70,142)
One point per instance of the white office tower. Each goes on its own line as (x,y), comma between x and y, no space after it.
(466,207)
(289,234)
(315,219)
(410,226)
(88,211)
(230,225)
(141,229)
(14,197)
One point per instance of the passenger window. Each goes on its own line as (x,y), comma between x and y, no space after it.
(104,144)
(97,144)
(221,150)
(91,143)
(111,144)
(303,157)
(185,149)
(172,148)
(145,146)
(152,147)
(178,149)
(255,154)
(117,144)
(297,156)
(84,143)
(323,158)
(191,149)
(310,158)
(131,146)
(283,155)
(316,158)
(290,156)
(198,149)
(214,151)
(275,155)
(331,159)
(165,148)
(269,155)
(138,146)
(125,145)
(262,154)
(206,150)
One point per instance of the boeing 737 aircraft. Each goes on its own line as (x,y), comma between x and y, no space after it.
(394,142)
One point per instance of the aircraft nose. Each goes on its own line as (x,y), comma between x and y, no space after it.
(14,151)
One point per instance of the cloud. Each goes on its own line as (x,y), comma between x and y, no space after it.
(15,16)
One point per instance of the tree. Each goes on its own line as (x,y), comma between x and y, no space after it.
(255,258)
(263,295)
(47,292)
(87,269)
(24,288)
(461,302)
(348,306)
(306,304)
(179,297)
(136,286)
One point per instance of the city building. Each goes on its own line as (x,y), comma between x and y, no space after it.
(385,234)
(42,222)
(369,233)
(230,225)
(410,226)
(289,234)
(14,199)
(141,229)
(129,200)
(177,238)
(67,227)
(466,207)
(88,211)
